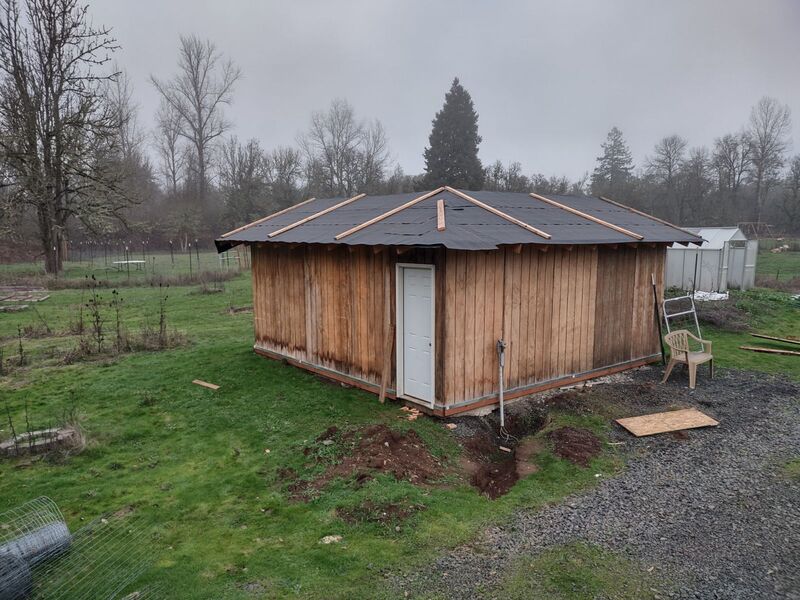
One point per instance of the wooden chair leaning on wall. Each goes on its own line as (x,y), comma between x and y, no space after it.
(679,352)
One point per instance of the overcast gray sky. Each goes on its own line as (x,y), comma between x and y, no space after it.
(548,79)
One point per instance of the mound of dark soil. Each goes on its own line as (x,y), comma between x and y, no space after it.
(376,449)
(496,478)
(384,514)
(492,470)
(578,446)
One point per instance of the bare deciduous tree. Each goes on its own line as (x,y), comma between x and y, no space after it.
(666,161)
(343,155)
(284,169)
(664,167)
(119,94)
(203,85)
(243,181)
(791,193)
(768,135)
(172,156)
(58,138)
(695,183)
(731,160)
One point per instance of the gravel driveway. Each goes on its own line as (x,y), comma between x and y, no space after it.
(714,513)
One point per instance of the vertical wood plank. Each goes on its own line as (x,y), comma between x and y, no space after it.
(498,331)
(481,349)
(450,321)
(524,302)
(532,305)
(461,309)
(469,327)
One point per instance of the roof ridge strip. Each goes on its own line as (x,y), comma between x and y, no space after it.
(498,213)
(315,215)
(267,218)
(587,216)
(644,214)
(389,213)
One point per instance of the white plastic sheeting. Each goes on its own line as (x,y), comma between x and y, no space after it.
(727,259)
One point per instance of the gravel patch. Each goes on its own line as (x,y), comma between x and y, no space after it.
(711,510)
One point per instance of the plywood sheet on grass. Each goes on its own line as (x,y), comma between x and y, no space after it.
(674,420)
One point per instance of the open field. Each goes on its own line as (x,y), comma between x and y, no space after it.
(226,522)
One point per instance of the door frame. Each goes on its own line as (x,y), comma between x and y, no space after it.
(399,338)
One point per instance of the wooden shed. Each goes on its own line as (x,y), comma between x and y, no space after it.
(413,291)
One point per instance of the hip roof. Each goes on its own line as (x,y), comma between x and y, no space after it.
(458,219)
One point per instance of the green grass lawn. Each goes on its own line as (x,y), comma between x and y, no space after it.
(576,572)
(156,264)
(194,462)
(780,267)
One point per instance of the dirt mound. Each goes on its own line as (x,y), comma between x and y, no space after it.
(496,478)
(391,513)
(496,463)
(578,446)
(375,449)
(574,400)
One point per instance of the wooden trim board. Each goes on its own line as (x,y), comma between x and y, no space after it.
(389,213)
(588,217)
(674,420)
(315,215)
(770,350)
(267,218)
(205,384)
(775,339)
(499,213)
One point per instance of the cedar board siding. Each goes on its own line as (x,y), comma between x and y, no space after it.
(562,312)
(325,307)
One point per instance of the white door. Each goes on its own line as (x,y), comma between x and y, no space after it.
(417,332)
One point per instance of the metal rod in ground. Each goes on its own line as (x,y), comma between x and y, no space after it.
(658,319)
(694,279)
(501,362)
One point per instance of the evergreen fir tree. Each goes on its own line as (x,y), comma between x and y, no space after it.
(614,168)
(452,156)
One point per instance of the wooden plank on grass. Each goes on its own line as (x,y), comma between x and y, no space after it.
(674,420)
(205,384)
(770,350)
(775,339)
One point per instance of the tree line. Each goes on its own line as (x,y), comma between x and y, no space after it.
(76,161)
